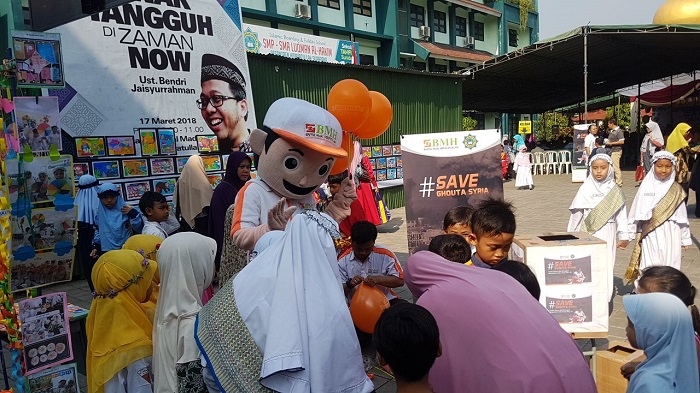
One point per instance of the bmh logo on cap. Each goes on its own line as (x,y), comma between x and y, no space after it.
(321,131)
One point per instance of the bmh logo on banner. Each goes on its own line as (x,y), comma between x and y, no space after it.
(445,170)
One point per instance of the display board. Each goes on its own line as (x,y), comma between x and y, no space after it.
(386,161)
(445,170)
(579,165)
(135,70)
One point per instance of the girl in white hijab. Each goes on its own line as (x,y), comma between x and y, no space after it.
(282,323)
(186,269)
(599,209)
(522,165)
(658,216)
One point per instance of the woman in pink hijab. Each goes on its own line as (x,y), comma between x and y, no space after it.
(495,336)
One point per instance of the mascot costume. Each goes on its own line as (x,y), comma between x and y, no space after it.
(295,151)
(282,323)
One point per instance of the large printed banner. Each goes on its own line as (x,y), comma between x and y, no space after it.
(268,41)
(579,165)
(445,170)
(138,67)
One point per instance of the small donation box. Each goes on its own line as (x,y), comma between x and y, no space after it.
(608,377)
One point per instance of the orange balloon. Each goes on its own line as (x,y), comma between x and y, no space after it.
(366,306)
(342,163)
(349,101)
(379,118)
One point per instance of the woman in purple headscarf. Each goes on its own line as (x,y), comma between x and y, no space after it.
(237,174)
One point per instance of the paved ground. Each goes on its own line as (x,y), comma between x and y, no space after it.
(543,209)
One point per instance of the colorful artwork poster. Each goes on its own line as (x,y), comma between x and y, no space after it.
(149,143)
(373,163)
(212,163)
(38,57)
(63,378)
(162,166)
(166,141)
(214,179)
(43,269)
(137,167)
(37,123)
(367,151)
(391,174)
(396,150)
(164,186)
(207,144)
(376,151)
(121,146)
(181,161)
(391,162)
(386,151)
(570,311)
(399,162)
(381,174)
(567,271)
(135,190)
(45,331)
(105,169)
(40,180)
(90,147)
(44,229)
(399,173)
(381,163)
(80,169)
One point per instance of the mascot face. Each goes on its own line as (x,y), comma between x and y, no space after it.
(293,171)
(297,147)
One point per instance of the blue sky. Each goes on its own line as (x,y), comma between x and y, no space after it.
(558,16)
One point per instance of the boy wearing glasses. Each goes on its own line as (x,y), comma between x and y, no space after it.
(223,103)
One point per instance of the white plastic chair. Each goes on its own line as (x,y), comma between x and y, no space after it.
(551,161)
(564,161)
(538,163)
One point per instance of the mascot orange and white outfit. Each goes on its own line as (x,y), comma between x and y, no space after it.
(296,149)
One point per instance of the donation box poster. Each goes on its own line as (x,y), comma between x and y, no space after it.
(445,170)
(572,270)
(138,67)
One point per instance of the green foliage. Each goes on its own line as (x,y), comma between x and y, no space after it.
(525,7)
(543,126)
(622,112)
(468,123)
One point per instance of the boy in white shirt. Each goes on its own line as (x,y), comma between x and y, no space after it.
(159,222)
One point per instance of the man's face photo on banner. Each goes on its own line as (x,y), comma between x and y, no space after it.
(222,101)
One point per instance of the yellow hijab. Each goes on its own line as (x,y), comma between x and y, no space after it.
(676,140)
(118,330)
(147,245)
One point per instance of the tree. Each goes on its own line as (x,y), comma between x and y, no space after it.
(543,126)
(469,123)
(622,112)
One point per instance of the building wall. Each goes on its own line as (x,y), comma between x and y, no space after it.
(490,42)
(414,30)
(441,38)
(329,15)
(366,23)
(254,4)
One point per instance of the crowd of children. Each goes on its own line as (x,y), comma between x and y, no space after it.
(150,327)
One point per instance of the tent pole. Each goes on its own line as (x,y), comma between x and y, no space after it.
(639,120)
(585,74)
(671,102)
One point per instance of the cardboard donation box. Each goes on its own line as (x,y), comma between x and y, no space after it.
(608,377)
(572,270)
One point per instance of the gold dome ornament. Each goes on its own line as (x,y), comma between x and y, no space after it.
(678,12)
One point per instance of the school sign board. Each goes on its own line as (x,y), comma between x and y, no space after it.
(268,41)
(444,170)
(137,67)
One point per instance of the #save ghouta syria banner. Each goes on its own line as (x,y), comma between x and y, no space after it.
(445,170)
